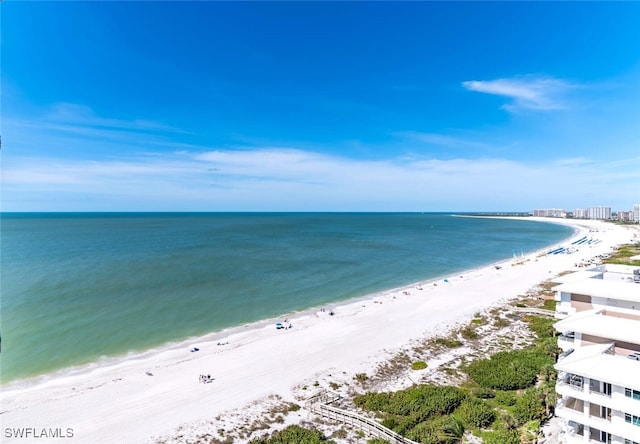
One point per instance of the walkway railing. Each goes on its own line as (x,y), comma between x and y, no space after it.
(319,405)
(534,310)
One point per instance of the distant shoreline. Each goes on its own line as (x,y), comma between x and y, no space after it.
(480,253)
(220,335)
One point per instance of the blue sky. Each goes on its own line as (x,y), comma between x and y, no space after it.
(327,106)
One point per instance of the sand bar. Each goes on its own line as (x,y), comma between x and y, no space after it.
(132,400)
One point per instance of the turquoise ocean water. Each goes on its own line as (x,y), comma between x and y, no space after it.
(77,288)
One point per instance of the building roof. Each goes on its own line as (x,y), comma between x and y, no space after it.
(593,362)
(621,268)
(577,276)
(594,322)
(620,290)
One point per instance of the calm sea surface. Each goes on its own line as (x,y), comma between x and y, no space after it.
(80,287)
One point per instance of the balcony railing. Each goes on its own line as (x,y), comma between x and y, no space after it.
(571,381)
(574,387)
(565,353)
(599,393)
(567,338)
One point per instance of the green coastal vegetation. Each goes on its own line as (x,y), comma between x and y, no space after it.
(418,365)
(294,434)
(624,254)
(503,398)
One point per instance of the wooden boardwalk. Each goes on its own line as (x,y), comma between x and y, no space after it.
(536,311)
(319,404)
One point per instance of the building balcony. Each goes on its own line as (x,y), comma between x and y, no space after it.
(572,382)
(566,341)
(626,430)
(577,439)
(571,409)
(599,397)
(628,405)
(563,309)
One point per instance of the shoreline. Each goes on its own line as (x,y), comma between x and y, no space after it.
(121,403)
(224,334)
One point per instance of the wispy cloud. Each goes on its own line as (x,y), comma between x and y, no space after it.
(574,161)
(272,178)
(442,140)
(73,114)
(528,92)
(146,167)
(72,130)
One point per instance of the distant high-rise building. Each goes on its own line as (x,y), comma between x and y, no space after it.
(600,212)
(625,216)
(550,212)
(636,213)
(580,213)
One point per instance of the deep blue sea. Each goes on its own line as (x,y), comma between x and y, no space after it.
(77,288)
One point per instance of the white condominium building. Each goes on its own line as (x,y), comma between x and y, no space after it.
(580,213)
(599,369)
(550,212)
(600,213)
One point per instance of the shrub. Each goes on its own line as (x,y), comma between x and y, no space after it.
(530,406)
(390,423)
(469,332)
(549,304)
(501,436)
(507,370)
(442,430)
(484,393)
(418,365)
(377,441)
(542,327)
(340,433)
(505,398)
(361,377)
(476,413)
(424,401)
(448,342)
(294,433)
(529,432)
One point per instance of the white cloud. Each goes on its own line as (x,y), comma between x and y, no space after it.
(85,165)
(72,114)
(442,140)
(575,161)
(296,180)
(529,92)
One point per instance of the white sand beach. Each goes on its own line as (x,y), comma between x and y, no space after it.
(138,398)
